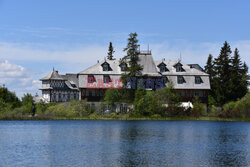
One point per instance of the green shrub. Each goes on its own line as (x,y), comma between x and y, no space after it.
(70,109)
(168,95)
(41,107)
(198,109)
(229,106)
(15,114)
(156,116)
(94,116)
(112,95)
(100,108)
(243,105)
(173,110)
(230,111)
(214,111)
(148,105)
(211,101)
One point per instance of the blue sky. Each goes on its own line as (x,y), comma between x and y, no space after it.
(72,35)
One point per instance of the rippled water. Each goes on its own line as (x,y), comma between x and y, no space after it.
(124,143)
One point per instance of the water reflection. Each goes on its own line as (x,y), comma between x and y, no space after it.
(124,143)
(229,145)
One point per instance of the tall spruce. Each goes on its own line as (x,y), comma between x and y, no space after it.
(222,80)
(246,77)
(236,76)
(110,51)
(209,65)
(133,52)
(133,71)
(209,68)
(239,76)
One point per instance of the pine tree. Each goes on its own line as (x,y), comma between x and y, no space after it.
(236,76)
(110,51)
(244,80)
(133,71)
(134,68)
(209,69)
(222,80)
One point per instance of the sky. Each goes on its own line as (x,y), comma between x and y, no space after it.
(71,35)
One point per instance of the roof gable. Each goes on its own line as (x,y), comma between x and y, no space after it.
(53,75)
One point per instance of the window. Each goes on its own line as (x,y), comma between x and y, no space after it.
(196,94)
(91,78)
(198,80)
(180,80)
(165,80)
(123,67)
(105,67)
(106,79)
(128,86)
(178,68)
(54,97)
(162,68)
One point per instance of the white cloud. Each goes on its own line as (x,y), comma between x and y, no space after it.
(17,78)
(85,54)
(10,70)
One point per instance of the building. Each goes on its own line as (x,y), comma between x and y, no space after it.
(59,88)
(188,79)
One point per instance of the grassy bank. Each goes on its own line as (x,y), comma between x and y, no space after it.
(126,117)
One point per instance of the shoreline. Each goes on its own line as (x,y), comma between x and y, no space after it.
(217,119)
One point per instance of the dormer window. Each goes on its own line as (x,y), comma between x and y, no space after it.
(178,67)
(180,80)
(162,67)
(198,80)
(105,67)
(123,67)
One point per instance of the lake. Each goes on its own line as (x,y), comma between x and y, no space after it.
(124,143)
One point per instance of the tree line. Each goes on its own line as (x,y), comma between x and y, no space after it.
(229,77)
